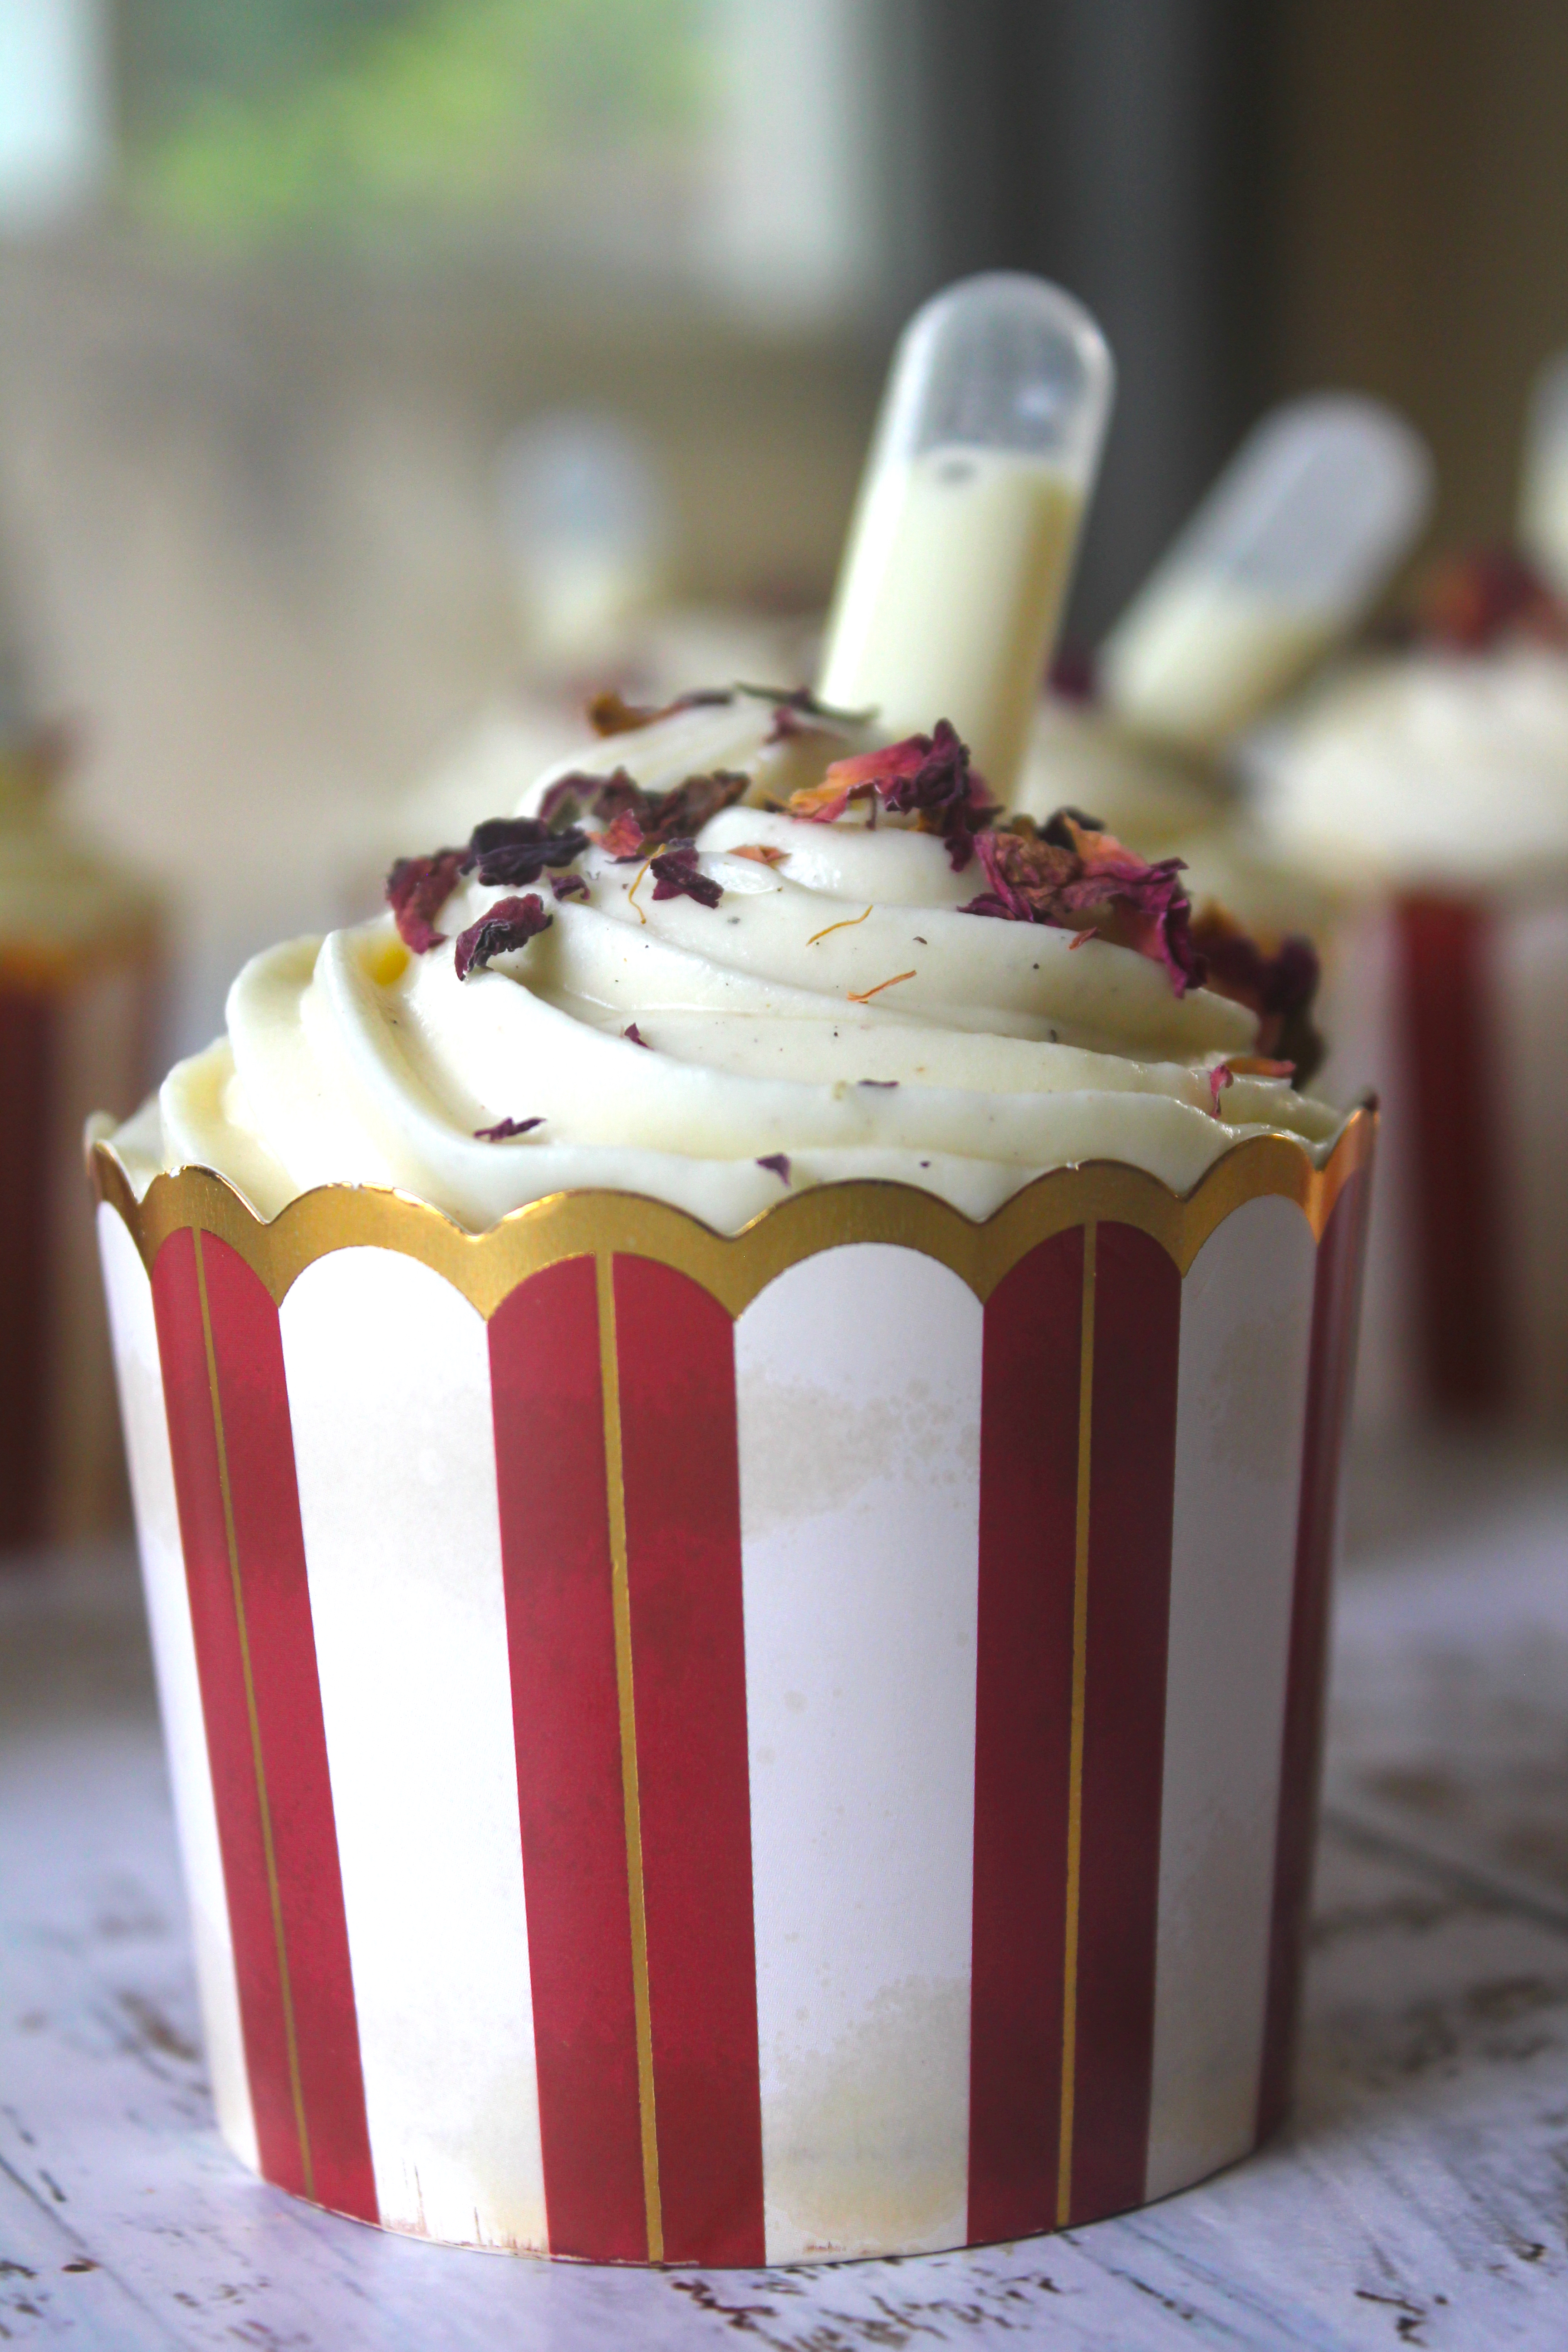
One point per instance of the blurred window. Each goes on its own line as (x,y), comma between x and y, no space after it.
(55,108)
(710,145)
(575,128)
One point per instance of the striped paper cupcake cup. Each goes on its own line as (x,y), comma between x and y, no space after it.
(1455,1007)
(738,1750)
(75,1029)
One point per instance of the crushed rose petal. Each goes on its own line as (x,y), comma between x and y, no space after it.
(509,923)
(1072,874)
(505,1128)
(634,1036)
(1469,601)
(926,776)
(777,1164)
(568,885)
(1073,677)
(517,849)
(622,839)
(677,875)
(657,818)
(416,890)
(762,853)
(1278,987)
(1245,1065)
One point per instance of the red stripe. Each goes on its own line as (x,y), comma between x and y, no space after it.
(1132,1475)
(1451,1032)
(27,1062)
(1028,1487)
(680,1462)
(1336,1303)
(187,1397)
(316,2144)
(555,1554)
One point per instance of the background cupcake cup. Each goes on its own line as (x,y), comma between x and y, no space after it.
(738,1750)
(77,1028)
(1454,1005)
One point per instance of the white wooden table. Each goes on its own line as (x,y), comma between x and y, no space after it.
(1420,2196)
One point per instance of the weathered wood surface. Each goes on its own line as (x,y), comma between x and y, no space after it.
(1420,2196)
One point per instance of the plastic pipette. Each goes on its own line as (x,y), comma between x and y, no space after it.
(961,544)
(1281,559)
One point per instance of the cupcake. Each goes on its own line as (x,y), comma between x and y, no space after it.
(1428,788)
(735,1414)
(79,991)
(586,530)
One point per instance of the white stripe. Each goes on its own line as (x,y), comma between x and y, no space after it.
(1246,1322)
(858,1392)
(134,1333)
(389,1394)
(1531,995)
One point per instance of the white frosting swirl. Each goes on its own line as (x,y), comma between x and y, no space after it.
(1433,766)
(836,1008)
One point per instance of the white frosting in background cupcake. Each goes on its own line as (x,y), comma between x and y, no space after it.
(1149,796)
(834,1013)
(1433,767)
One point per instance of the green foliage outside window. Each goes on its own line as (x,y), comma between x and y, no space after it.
(249,118)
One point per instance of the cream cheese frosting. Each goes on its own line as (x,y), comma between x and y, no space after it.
(1436,766)
(835,1014)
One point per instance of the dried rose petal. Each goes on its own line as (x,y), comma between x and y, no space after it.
(677,875)
(505,1128)
(634,1036)
(659,817)
(926,775)
(1073,673)
(509,923)
(1469,601)
(622,838)
(416,890)
(573,795)
(763,853)
(1278,987)
(777,1164)
(517,849)
(1220,1076)
(1074,874)
(569,885)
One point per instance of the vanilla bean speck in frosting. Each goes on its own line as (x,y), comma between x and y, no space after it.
(740,948)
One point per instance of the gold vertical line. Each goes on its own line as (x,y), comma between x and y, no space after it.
(621,1602)
(285,1988)
(1075,1765)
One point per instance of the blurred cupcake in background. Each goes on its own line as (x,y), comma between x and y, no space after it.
(1427,787)
(587,519)
(79,971)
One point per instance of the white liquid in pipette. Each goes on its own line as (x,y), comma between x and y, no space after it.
(950,598)
(1206,657)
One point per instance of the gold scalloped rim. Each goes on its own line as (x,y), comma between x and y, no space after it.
(734,1267)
